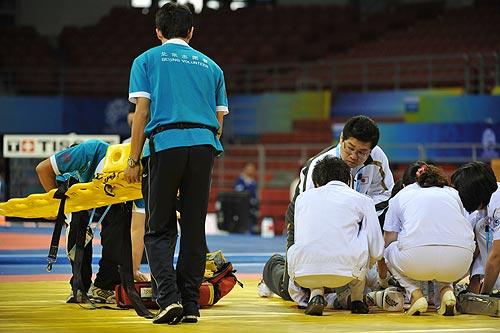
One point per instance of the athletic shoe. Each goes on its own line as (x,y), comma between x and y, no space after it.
(78,299)
(358,307)
(264,290)
(190,314)
(315,306)
(420,306)
(102,295)
(169,315)
(448,303)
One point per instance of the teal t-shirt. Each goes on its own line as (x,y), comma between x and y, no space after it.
(82,162)
(184,85)
(79,161)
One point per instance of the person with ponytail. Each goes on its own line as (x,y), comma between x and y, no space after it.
(428,237)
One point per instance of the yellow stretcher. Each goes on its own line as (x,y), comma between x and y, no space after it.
(108,187)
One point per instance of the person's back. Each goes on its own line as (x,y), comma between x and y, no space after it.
(182,81)
(337,236)
(328,230)
(427,237)
(431,216)
(180,106)
(181,67)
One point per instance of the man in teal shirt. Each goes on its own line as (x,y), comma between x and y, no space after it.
(180,101)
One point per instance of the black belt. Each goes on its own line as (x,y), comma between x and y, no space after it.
(171,126)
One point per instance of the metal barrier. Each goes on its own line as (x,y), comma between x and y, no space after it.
(293,155)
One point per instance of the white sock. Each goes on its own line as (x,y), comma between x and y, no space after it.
(316,292)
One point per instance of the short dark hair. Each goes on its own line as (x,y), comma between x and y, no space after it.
(362,128)
(174,20)
(331,168)
(475,183)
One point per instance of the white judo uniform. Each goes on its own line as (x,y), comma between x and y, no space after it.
(373,178)
(486,224)
(337,238)
(435,240)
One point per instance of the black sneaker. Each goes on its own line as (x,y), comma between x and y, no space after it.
(169,314)
(190,313)
(315,306)
(359,307)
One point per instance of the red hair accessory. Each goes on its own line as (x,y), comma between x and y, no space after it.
(421,170)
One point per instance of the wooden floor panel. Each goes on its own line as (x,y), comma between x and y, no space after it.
(39,307)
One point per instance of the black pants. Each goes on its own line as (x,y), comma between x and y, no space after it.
(275,272)
(187,169)
(107,276)
(275,276)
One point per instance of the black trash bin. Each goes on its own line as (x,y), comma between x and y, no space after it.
(233,211)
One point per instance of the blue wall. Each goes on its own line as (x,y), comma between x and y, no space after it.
(45,115)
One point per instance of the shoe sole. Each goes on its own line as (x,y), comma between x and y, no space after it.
(314,310)
(419,308)
(449,307)
(170,315)
(190,319)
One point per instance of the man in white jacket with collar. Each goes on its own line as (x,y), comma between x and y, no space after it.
(337,238)
(369,168)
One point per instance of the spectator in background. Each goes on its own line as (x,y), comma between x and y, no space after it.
(246,182)
(489,142)
(2,188)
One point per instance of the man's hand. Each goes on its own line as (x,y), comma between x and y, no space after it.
(140,277)
(133,174)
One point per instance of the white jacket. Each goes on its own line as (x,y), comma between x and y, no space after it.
(373,178)
(481,221)
(336,233)
(429,216)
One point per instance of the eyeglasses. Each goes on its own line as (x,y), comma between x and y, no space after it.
(352,151)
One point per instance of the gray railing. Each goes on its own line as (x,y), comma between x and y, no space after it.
(261,155)
(476,72)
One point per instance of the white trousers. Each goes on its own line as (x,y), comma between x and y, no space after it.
(332,281)
(444,264)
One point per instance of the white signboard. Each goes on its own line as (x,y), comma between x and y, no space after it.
(43,146)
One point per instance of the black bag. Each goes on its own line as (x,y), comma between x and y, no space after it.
(233,211)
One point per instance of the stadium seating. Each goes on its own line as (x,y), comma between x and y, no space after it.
(312,35)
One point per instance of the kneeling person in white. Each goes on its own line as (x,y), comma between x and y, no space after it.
(480,194)
(428,238)
(337,238)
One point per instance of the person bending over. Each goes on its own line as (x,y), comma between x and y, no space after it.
(480,195)
(337,238)
(428,238)
(369,168)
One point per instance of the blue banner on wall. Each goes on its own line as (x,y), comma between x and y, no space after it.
(46,115)
(405,142)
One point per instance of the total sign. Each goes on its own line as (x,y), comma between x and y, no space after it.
(42,146)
